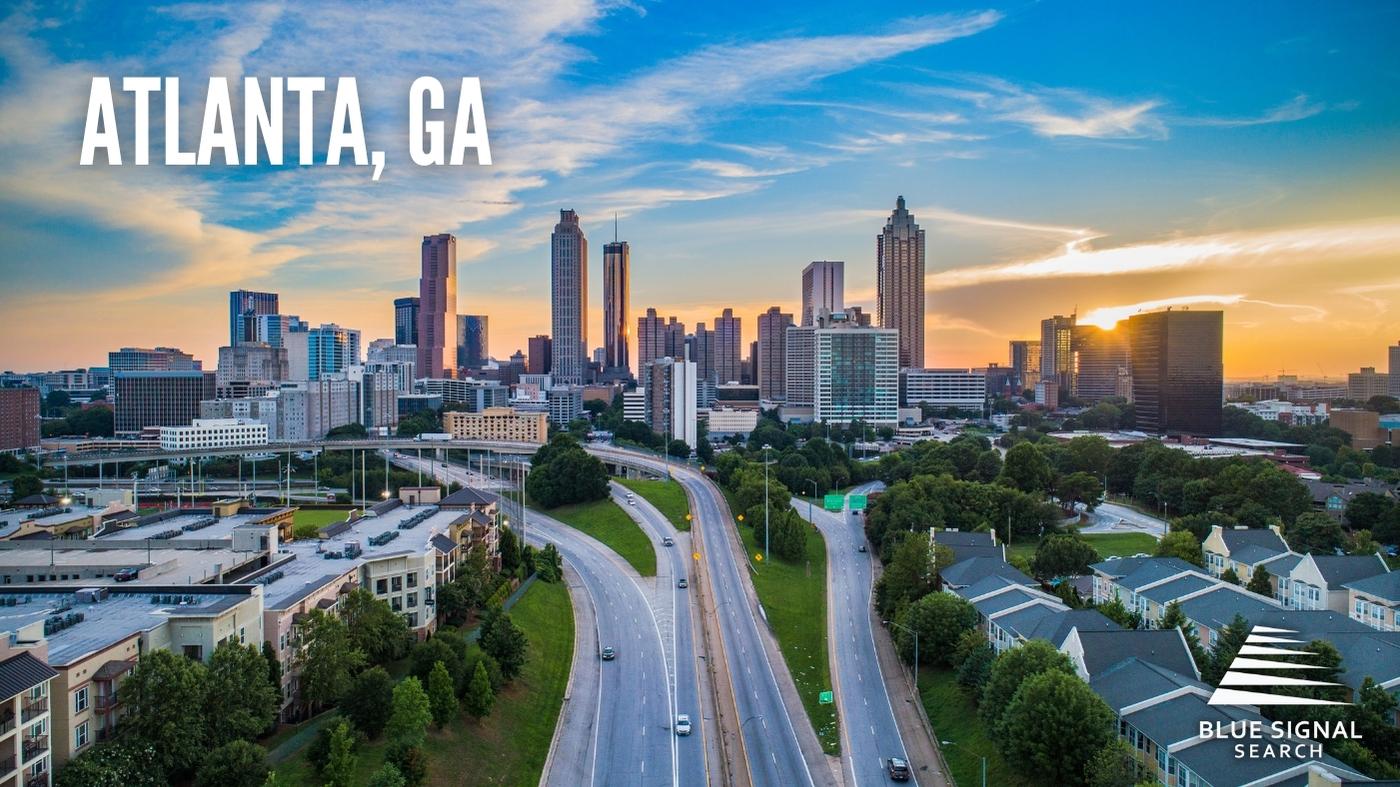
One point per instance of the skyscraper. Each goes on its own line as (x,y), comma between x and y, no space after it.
(1100,359)
(244,306)
(856,373)
(651,338)
(569,298)
(899,274)
(1178,373)
(406,320)
(823,287)
(156,359)
(1057,351)
(473,344)
(772,353)
(437,306)
(1394,369)
(541,356)
(728,347)
(158,398)
(330,349)
(799,376)
(616,307)
(671,398)
(273,328)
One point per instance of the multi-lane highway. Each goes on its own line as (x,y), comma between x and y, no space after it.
(869,732)
(773,730)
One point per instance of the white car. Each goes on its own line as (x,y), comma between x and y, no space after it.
(683,724)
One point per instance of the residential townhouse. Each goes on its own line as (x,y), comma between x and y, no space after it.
(967,544)
(997,597)
(1375,600)
(25,687)
(1241,548)
(1332,497)
(974,569)
(1318,581)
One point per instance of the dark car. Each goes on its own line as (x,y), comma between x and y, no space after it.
(899,769)
(126,574)
(609,654)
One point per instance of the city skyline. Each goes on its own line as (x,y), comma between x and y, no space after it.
(1057,160)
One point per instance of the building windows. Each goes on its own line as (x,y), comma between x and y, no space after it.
(412,600)
(396,584)
(396,603)
(412,580)
(381,586)
(80,700)
(80,736)
(193,652)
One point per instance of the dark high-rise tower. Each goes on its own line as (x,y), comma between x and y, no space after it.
(244,307)
(1178,371)
(1100,361)
(541,355)
(568,253)
(473,344)
(899,274)
(437,307)
(406,320)
(1057,351)
(616,307)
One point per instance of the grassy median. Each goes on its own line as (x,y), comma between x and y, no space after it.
(668,497)
(605,521)
(1106,544)
(794,598)
(954,717)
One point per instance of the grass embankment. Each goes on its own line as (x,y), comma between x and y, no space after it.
(1106,544)
(508,747)
(954,718)
(794,597)
(668,497)
(603,520)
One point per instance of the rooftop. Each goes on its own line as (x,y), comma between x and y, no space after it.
(1164,647)
(1384,586)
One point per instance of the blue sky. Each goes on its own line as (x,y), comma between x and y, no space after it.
(1060,155)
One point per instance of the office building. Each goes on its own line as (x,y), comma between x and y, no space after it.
(375,398)
(568,264)
(1363,425)
(437,307)
(1178,371)
(1364,384)
(309,410)
(723,422)
(799,374)
(1100,362)
(899,263)
(671,399)
(157,359)
(1394,379)
(272,328)
(634,404)
(659,338)
(262,409)
(297,342)
(823,287)
(19,419)
(406,321)
(1025,362)
(750,371)
(477,395)
(213,433)
(250,369)
(856,372)
(497,423)
(962,389)
(244,308)
(616,306)
(565,404)
(541,355)
(401,372)
(151,399)
(330,349)
(728,347)
(1057,351)
(473,345)
(771,353)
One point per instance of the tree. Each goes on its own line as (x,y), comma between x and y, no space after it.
(239,700)
(788,533)
(939,619)
(1199,525)
(341,759)
(1053,727)
(907,575)
(369,701)
(120,763)
(1115,765)
(1181,544)
(274,671)
(1114,610)
(1013,668)
(1227,645)
(350,431)
(1260,583)
(1079,487)
(376,630)
(1173,617)
(237,763)
(411,763)
(975,658)
(24,485)
(328,659)
(163,700)
(1367,510)
(412,711)
(442,696)
(1315,532)
(680,449)
(504,642)
(480,695)
(446,648)
(562,472)
(387,776)
(1027,469)
(1229,575)
(1062,554)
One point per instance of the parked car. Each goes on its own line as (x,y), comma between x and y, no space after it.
(682,583)
(898,769)
(609,654)
(683,724)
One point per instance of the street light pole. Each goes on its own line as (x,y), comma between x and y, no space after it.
(916,651)
(765,501)
(813,482)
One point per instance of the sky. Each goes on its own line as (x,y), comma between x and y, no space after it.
(1092,156)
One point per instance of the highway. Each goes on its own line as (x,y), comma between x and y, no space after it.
(773,731)
(869,733)
(1115,518)
(625,738)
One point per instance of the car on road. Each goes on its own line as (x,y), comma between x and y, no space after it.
(126,574)
(898,769)
(609,654)
(683,724)
(682,583)
(860,548)
(668,542)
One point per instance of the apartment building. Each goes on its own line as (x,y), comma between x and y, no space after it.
(25,753)
(213,433)
(498,423)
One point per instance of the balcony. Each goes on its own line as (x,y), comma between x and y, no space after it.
(7,765)
(105,703)
(33,747)
(7,724)
(33,709)
(40,779)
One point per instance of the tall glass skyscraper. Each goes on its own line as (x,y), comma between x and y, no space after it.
(569,299)
(899,278)
(1178,371)
(437,307)
(616,307)
(330,349)
(244,306)
(473,346)
(406,320)
(823,287)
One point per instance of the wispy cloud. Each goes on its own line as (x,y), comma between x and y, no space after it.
(1109,316)
(1299,108)
(1052,111)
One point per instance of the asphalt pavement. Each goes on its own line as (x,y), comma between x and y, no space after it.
(1115,518)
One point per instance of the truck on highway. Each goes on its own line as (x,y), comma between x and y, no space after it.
(434,437)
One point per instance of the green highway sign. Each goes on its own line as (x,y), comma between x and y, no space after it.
(825,698)
(834,502)
(857,502)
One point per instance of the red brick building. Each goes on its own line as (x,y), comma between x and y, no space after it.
(19,419)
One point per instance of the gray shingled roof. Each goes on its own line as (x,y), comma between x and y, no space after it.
(1007,600)
(1216,608)
(1340,569)
(1284,565)
(1176,588)
(1103,649)
(443,543)
(1153,569)
(1133,680)
(1386,586)
(1119,567)
(970,571)
(22,672)
(1254,536)
(1055,627)
(466,497)
(1178,719)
